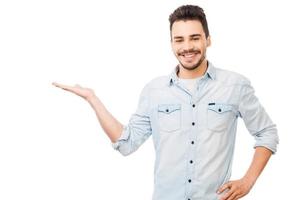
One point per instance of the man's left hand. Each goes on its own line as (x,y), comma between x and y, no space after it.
(235,189)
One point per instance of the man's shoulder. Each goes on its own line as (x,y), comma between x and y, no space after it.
(230,77)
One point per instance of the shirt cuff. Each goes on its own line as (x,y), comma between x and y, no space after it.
(123,137)
(270,147)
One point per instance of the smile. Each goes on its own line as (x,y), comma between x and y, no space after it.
(189,56)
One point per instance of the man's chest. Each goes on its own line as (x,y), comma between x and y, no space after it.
(212,108)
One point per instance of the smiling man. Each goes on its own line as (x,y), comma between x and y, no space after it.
(192,115)
(189,43)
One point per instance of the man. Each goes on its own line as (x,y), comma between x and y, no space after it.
(192,115)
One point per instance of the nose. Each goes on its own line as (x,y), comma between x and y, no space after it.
(187,45)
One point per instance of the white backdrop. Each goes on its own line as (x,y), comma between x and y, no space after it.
(51,144)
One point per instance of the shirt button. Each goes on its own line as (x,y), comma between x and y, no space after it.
(167,110)
(220,110)
(193,105)
(191,161)
(192,142)
(193,123)
(190,180)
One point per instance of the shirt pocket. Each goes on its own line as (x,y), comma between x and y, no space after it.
(169,117)
(219,116)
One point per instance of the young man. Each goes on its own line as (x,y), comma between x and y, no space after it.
(192,116)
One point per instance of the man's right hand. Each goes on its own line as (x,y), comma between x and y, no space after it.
(85,93)
(112,127)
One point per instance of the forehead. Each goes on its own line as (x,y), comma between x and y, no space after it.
(186,28)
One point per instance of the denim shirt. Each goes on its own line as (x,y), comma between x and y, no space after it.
(194,134)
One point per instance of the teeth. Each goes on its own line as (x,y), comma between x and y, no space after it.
(189,55)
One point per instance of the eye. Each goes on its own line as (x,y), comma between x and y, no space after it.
(178,40)
(196,38)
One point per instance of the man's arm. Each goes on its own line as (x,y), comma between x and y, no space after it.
(239,188)
(264,131)
(125,139)
(111,126)
(259,161)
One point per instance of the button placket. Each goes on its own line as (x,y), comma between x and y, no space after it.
(192,143)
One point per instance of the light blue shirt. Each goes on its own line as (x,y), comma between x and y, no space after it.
(194,134)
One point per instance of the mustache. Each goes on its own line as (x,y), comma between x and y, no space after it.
(180,53)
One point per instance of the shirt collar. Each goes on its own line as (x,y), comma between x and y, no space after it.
(210,73)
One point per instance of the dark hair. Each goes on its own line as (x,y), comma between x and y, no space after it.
(189,12)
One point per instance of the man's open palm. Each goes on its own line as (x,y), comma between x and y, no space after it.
(76,89)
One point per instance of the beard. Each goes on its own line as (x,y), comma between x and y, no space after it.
(199,62)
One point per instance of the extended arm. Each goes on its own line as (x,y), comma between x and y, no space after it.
(128,138)
(111,126)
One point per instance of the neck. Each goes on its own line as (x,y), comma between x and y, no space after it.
(189,74)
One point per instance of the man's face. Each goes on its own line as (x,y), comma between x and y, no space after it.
(189,43)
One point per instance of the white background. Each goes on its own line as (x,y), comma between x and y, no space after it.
(51,144)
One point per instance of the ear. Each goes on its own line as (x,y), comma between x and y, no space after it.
(208,41)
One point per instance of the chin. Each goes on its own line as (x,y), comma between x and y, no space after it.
(190,66)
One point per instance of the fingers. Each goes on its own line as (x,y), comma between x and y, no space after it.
(62,86)
(234,192)
(224,187)
(59,85)
(238,197)
(232,196)
(228,195)
(76,89)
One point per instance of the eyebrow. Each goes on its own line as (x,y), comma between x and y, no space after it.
(193,35)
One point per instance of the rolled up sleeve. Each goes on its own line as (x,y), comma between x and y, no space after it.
(138,130)
(256,119)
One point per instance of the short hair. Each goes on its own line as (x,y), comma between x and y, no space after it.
(189,12)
